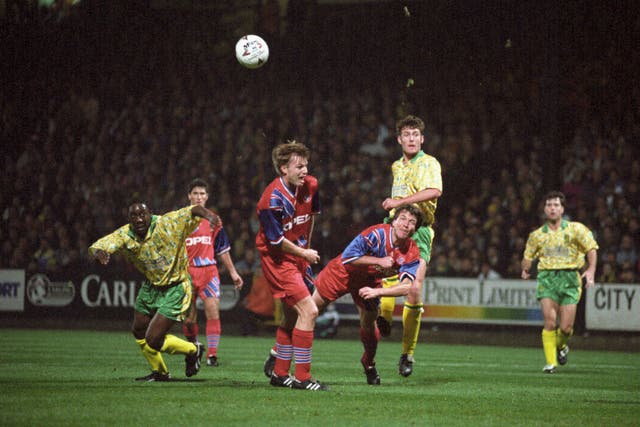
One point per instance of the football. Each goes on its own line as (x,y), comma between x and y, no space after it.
(252,51)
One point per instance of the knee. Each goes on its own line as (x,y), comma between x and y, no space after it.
(138,333)
(154,341)
(415,293)
(313,313)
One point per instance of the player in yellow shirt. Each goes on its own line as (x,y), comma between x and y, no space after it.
(155,245)
(417,180)
(560,247)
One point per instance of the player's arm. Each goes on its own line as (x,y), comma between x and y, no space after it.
(525,264)
(590,273)
(105,246)
(228,263)
(309,254)
(222,249)
(530,253)
(272,225)
(420,196)
(401,289)
(201,212)
(384,262)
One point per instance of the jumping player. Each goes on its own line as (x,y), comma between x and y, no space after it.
(286,213)
(375,253)
(417,180)
(203,246)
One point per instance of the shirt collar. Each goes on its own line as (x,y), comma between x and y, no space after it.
(152,226)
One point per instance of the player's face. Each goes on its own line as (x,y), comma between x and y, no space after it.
(404,225)
(139,218)
(198,196)
(411,140)
(553,209)
(295,171)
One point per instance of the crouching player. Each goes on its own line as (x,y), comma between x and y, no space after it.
(375,253)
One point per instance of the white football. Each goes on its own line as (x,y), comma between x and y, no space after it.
(252,51)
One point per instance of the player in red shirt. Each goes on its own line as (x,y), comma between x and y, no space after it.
(286,213)
(378,251)
(203,246)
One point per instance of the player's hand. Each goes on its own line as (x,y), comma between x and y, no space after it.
(312,256)
(368,293)
(589,280)
(215,220)
(385,262)
(525,274)
(390,203)
(102,256)
(237,281)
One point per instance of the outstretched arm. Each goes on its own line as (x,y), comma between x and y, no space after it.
(401,289)
(205,213)
(420,196)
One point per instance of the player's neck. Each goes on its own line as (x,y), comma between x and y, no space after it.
(407,157)
(554,224)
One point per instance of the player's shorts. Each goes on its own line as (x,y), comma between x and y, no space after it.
(333,282)
(206,281)
(424,239)
(172,301)
(561,286)
(288,280)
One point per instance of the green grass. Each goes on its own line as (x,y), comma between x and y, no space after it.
(82,378)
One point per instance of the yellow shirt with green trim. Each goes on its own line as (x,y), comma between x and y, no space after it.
(561,249)
(419,173)
(161,256)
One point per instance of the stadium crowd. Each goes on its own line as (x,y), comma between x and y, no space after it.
(93,112)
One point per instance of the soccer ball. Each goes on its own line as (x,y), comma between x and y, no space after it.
(252,51)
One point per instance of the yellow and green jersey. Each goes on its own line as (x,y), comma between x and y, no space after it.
(161,256)
(420,173)
(562,249)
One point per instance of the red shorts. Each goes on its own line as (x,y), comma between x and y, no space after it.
(334,281)
(286,278)
(206,281)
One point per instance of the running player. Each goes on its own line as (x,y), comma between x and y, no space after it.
(286,213)
(154,244)
(417,180)
(203,246)
(375,253)
(560,247)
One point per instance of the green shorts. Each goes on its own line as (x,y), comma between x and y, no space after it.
(424,238)
(561,286)
(172,301)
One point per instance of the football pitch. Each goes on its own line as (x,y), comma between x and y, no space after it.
(85,378)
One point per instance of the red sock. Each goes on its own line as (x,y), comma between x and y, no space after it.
(302,342)
(190,332)
(214,329)
(285,351)
(370,343)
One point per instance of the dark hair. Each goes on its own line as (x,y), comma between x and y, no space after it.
(198,182)
(555,195)
(413,210)
(411,122)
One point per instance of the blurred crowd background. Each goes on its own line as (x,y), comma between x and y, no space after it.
(106,101)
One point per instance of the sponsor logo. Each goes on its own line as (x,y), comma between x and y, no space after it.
(96,292)
(43,292)
(296,221)
(205,240)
